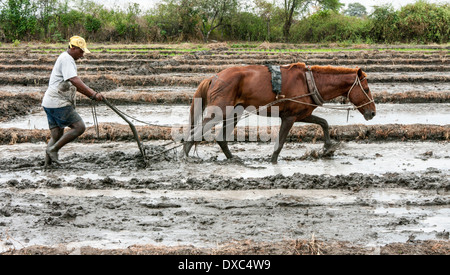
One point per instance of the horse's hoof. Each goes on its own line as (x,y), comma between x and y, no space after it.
(182,155)
(235,159)
(329,149)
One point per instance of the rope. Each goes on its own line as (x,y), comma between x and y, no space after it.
(138,120)
(294,99)
(94,115)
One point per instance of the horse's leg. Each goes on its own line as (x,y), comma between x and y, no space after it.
(196,134)
(286,125)
(226,123)
(195,116)
(328,146)
(224,143)
(187,145)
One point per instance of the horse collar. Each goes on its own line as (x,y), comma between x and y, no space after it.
(312,88)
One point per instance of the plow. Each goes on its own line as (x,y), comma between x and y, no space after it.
(146,158)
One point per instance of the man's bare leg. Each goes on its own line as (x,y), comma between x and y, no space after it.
(60,138)
(55,134)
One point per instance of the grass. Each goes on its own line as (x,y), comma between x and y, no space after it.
(186,48)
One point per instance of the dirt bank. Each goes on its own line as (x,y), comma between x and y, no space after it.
(292,247)
(308,133)
(12,106)
(184,95)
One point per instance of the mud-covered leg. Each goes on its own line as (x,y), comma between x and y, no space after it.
(196,134)
(76,130)
(187,147)
(227,132)
(286,125)
(223,143)
(329,147)
(55,134)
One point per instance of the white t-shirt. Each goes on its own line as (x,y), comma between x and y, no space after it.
(59,93)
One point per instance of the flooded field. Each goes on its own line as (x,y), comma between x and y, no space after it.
(385,190)
(173,115)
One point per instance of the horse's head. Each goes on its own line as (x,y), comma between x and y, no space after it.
(360,96)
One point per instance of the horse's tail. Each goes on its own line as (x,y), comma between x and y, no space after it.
(198,105)
(199,100)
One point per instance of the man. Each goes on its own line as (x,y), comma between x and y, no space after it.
(58,99)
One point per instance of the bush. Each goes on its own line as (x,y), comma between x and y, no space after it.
(329,26)
(92,24)
(18,19)
(383,24)
(247,26)
(424,22)
(420,22)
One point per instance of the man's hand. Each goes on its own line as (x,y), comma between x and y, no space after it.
(98,97)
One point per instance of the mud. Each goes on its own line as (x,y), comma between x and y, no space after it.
(12,106)
(385,190)
(107,200)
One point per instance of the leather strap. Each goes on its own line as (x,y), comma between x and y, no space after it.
(312,88)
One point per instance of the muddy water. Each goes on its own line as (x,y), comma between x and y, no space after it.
(405,87)
(176,115)
(120,218)
(352,157)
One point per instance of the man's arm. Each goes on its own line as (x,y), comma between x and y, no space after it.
(84,89)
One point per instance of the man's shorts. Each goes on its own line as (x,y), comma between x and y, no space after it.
(61,117)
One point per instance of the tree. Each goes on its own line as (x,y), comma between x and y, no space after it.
(46,9)
(17,18)
(298,6)
(215,13)
(265,10)
(188,19)
(356,9)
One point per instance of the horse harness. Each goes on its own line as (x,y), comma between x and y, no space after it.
(275,72)
(312,89)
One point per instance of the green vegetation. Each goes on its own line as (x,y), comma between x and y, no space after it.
(294,21)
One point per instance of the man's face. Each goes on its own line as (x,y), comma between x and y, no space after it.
(77,53)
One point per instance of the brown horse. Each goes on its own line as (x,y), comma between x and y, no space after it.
(251,86)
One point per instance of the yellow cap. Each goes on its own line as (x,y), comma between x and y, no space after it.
(79,42)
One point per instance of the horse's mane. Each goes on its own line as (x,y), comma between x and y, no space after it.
(298,64)
(326,69)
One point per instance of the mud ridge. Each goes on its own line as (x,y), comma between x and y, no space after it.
(14,105)
(249,247)
(431,179)
(174,67)
(306,133)
(106,82)
(185,97)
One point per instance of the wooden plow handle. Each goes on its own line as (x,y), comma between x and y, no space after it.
(133,128)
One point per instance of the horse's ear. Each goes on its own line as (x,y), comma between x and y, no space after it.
(360,73)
